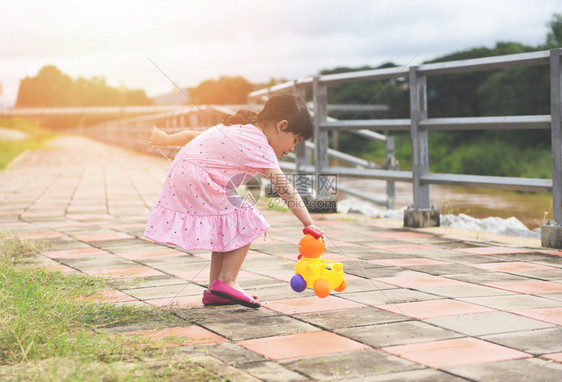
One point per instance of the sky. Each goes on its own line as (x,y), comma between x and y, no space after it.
(192,41)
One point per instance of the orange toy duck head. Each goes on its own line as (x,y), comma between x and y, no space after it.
(311,247)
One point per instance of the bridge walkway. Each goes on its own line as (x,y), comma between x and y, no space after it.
(435,304)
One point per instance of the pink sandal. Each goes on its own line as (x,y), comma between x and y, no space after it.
(210,299)
(220,289)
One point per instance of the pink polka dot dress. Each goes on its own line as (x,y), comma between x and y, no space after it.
(195,209)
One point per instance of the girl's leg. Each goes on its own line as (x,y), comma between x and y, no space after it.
(231,264)
(216,266)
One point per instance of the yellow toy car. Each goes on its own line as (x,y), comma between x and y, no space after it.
(314,272)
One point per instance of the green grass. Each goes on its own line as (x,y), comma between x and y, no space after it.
(50,332)
(10,149)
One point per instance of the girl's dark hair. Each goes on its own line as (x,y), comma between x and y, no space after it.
(242,117)
(277,108)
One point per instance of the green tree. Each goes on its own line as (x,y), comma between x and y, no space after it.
(554,36)
(51,88)
(224,91)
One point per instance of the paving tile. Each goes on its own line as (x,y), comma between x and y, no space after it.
(357,364)
(250,255)
(11,213)
(532,257)
(454,352)
(551,315)
(272,371)
(265,326)
(413,262)
(228,352)
(401,235)
(60,268)
(396,333)
(42,214)
(386,224)
(446,269)
(529,286)
(176,302)
(16,224)
(493,250)
(92,238)
(480,324)
(88,217)
(182,336)
(419,375)
(486,277)
(461,237)
(73,253)
(123,273)
(373,271)
(63,224)
(514,266)
(554,275)
(150,254)
(513,302)
(553,252)
(20,207)
(348,318)
(194,277)
(520,370)
(419,281)
(310,305)
(40,235)
(537,342)
(405,248)
(389,296)
(468,290)
(557,357)
(97,262)
(165,291)
(302,345)
(277,291)
(359,284)
(204,315)
(434,308)
(260,282)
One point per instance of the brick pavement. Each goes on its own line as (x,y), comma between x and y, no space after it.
(421,305)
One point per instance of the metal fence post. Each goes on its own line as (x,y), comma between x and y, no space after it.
(420,214)
(324,201)
(320,95)
(419,137)
(390,164)
(304,158)
(551,234)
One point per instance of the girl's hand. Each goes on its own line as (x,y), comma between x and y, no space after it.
(316,232)
(158,137)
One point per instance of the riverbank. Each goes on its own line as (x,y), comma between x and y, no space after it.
(532,209)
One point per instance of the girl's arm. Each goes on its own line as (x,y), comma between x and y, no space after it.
(290,196)
(160,138)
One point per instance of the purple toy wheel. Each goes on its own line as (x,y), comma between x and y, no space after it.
(298,283)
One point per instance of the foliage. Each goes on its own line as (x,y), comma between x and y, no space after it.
(50,331)
(52,88)
(514,91)
(10,149)
(554,36)
(224,91)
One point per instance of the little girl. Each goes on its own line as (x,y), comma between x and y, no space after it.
(195,209)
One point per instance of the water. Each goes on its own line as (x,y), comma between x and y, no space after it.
(532,209)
